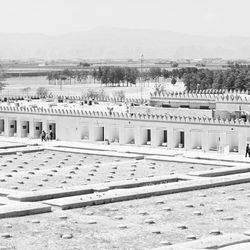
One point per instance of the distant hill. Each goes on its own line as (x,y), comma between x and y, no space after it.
(121,43)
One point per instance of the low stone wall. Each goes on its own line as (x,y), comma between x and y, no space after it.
(171,111)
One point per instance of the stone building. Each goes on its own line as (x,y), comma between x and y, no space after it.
(217,128)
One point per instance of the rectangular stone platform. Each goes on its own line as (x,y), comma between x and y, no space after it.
(95,152)
(147,151)
(213,242)
(221,171)
(6,191)
(218,157)
(22,209)
(143,192)
(7,145)
(52,193)
(191,160)
(127,148)
(28,149)
(144,181)
(89,189)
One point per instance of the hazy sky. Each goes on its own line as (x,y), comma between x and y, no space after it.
(206,17)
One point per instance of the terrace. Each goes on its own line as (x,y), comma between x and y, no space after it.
(157,198)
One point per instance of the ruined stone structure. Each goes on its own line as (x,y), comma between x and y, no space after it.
(176,130)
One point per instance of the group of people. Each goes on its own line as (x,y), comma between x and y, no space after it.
(46,136)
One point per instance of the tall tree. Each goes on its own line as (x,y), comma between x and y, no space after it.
(218,81)
(240,81)
(155,73)
(2,78)
(173,81)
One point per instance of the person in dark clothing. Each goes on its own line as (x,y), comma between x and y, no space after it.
(247,151)
(51,135)
(43,136)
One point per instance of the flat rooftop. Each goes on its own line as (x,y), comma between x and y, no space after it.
(102,106)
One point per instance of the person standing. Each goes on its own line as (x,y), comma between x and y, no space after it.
(43,136)
(247,151)
(47,136)
(51,135)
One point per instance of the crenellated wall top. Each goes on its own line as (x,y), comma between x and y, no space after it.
(78,98)
(215,92)
(233,99)
(183,95)
(209,94)
(229,96)
(122,116)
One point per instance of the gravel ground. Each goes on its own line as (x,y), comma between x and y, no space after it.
(136,224)
(48,169)
(15,86)
(42,170)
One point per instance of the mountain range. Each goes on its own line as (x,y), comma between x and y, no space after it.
(121,43)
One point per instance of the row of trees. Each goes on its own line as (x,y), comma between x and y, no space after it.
(116,76)
(156,73)
(2,79)
(237,77)
(67,76)
(234,78)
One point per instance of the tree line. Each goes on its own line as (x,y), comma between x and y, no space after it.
(106,75)
(116,76)
(2,78)
(67,76)
(113,75)
(235,77)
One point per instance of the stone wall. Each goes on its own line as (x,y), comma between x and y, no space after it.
(171,111)
(75,125)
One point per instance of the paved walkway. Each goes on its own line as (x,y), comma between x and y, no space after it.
(144,150)
(233,157)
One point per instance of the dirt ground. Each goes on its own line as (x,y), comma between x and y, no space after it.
(135,224)
(126,225)
(16,85)
(52,169)
(48,169)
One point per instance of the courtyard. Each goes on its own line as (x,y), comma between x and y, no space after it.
(60,180)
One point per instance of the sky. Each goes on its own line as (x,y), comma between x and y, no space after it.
(200,17)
